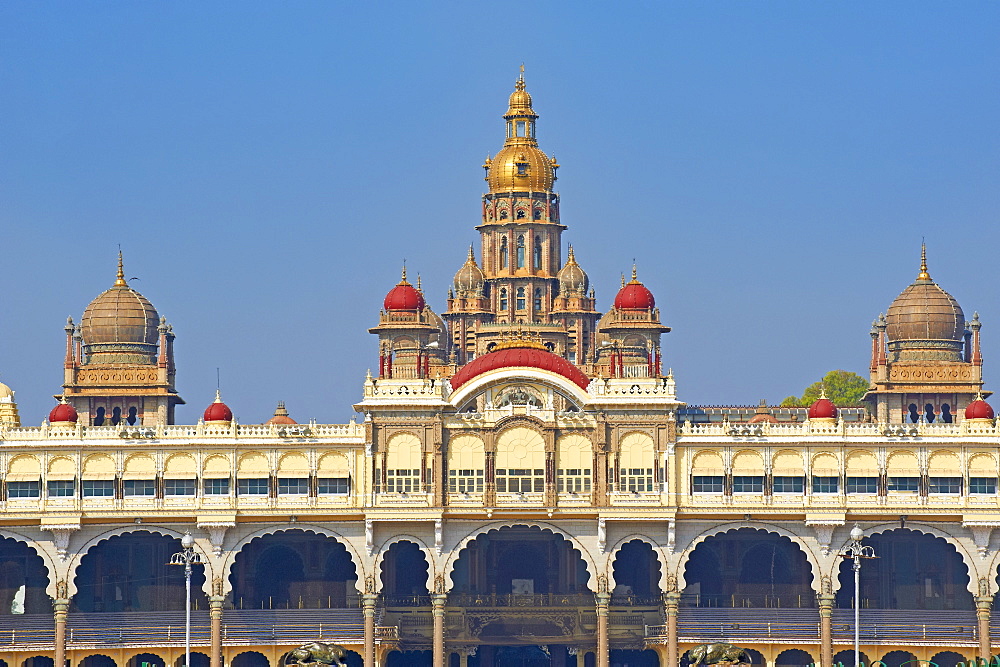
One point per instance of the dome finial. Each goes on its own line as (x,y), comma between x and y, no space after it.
(572,255)
(472,254)
(635,278)
(923,275)
(403,281)
(120,279)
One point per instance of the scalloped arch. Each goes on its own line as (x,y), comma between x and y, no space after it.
(48,560)
(73,563)
(359,566)
(970,563)
(721,529)
(661,558)
(383,550)
(456,553)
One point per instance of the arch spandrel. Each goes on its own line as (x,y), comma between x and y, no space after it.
(202,546)
(811,557)
(455,553)
(230,559)
(518,376)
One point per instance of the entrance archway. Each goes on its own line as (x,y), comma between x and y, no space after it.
(23,578)
(38,661)
(250,659)
(409,659)
(748,567)
(197,660)
(98,661)
(794,657)
(146,660)
(637,572)
(130,572)
(948,659)
(913,571)
(293,569)
(897,658)
(520,561)
(634,658)
(846,658)
(404,570)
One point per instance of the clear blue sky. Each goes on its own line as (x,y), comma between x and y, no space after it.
(771,166)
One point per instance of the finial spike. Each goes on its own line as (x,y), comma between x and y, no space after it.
(923,275)
(634,274)
(472,253)
(419,288)
(120,279)
(403,280)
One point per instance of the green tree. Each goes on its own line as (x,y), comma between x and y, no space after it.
(842,387)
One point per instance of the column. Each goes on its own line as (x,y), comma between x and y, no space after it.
(672,601)
(437,611)
(61,607)
(368,609)
(603,654)
(215,629)
(825,629)
(984,603)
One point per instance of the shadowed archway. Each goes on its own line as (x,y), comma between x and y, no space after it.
(404,570)
(293,569)
(913,570)
(748,567)
(131,572)
(636,570)
(23,578)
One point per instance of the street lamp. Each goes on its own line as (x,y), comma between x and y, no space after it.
(187,558)
(856,551)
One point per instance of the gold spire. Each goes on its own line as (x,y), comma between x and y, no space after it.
(635,279)
(403,281)
(572,256)
(120,280)
(472,254)
(923,275)
(419,288)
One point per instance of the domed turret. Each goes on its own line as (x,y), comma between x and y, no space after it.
(573,279)
(925,317)
(404,296)
(634,295)
(63,414)
(218,412)
(281,415)
(120,325)
(823,408)
(979,410)
(470,278)
(520,165)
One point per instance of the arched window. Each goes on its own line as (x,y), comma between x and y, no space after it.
(946,416)
(116,416)
(538,252)
(914,413)
(520,214)
(503,298)
(99,417)
(503,214)
(538,214)
(520,251)
(929,413)
(521,300)
(538,299)
(132,416)
(503,253)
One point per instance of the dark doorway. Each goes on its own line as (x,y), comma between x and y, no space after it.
(404,570)
(294,569)
(846,658)
(197,660)
(913,571)
(897,658)
(637,572)
(794,657)
(38,661)
(521,656)
(23,578)
(146,660)
(130,572)
(409,659)
(250,659)
(948,659)
(748,568)
(98,661)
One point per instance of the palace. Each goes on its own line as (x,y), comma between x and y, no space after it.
(526,487)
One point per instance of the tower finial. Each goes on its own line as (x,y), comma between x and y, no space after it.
(403,280)
(472,254)
(923,275)
(120,279)
(635,278)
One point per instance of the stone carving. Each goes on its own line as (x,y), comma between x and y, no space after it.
(439,587)
(602,583)
(984,586)
(370,584)
(315,653)
(826,584)
(712,654)
(671,583)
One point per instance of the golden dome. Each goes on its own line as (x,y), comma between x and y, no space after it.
(925,312)
(6,392)
(520,165)
(573,279)
(120,320)
(470,278)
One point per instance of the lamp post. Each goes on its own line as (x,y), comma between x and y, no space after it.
(857,551)
(187,558)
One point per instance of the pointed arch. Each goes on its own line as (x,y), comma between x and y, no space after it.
(48,559)
(383,550)
(661,558)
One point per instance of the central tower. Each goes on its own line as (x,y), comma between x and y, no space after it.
(520,282)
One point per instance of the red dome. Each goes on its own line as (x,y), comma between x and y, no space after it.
(823,408)
(979,409)
(218,411)
(404,296)
(64,412)
(526,356)
(634,296)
